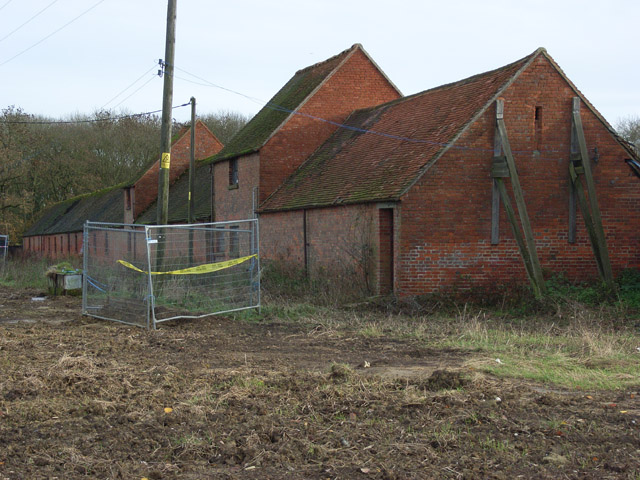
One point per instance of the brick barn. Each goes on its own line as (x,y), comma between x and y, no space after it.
(58,230)
(413,195)
(295,122)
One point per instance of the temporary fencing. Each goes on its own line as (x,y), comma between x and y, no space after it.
(4,247)
(144,275)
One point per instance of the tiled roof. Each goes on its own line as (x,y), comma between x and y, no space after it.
(290,97)
(179,195)
(69,216)
(384,149)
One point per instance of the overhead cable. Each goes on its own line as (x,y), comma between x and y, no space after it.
(51,34)
(92,120)
(32,18)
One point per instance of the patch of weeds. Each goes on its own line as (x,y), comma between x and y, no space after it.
(288,311)
(495,445)
(445,380)
(629,287)
(444,436)
(24,273)
(371,330)
(340,372)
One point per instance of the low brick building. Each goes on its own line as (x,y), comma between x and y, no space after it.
(409,196)
(58,230)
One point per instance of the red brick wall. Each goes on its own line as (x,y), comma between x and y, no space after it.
(145,190)
(235,202)
(342,243)
(385,250)
(60,245)
(446,216)
(357,84)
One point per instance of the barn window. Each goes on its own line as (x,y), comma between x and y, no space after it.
(233,172)
(127,199)
(538,127)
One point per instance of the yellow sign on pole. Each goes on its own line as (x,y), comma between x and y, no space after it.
(166,160)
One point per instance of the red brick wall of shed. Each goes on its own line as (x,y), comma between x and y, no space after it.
(446,216)
(357,84)
(60,245)
(145,190)
(342,242)
(235,203)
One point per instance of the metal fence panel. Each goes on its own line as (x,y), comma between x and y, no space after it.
(4,247)
(147,275)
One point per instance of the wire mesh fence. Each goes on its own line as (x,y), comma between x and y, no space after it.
(4,247)
(144,275)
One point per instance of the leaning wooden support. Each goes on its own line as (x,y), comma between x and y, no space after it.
(505,165)
(580,164)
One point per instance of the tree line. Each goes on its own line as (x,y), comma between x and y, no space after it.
(44,160)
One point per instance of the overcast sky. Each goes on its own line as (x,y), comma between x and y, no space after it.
(107,57)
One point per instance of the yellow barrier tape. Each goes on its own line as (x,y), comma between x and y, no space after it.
(206,268)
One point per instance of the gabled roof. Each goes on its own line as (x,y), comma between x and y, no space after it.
(179,197)
(289,99)
(382,151)
(107,205)
(69,216)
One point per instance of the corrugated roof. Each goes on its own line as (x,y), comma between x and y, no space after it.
(290,97)
(179,195)
(384,149)
(69,216)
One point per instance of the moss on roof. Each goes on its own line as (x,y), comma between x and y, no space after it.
(179,197)
(290,97)
(105,205)
(382,150)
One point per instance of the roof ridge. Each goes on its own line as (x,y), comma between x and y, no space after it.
(456,83)
(352,48)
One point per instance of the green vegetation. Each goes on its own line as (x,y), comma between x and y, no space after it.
(32,272)
(579,337)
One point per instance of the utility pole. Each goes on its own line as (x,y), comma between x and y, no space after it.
(165,132)
(192,161)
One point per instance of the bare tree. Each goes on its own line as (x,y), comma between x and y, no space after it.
(629,129)
(224,124)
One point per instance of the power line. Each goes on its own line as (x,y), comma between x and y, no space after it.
(207,83)
(280,108)
(8,2)
(132,84)
(92,120)
(32,18)
(51,34)
(136,90)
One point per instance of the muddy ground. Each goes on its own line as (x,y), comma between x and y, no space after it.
(225,398)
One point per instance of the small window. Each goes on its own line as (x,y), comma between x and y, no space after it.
(538,127)
(127,199)
(233,172)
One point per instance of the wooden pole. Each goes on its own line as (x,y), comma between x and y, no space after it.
(192,161)
(167,100)
(537,279)
(598,240)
